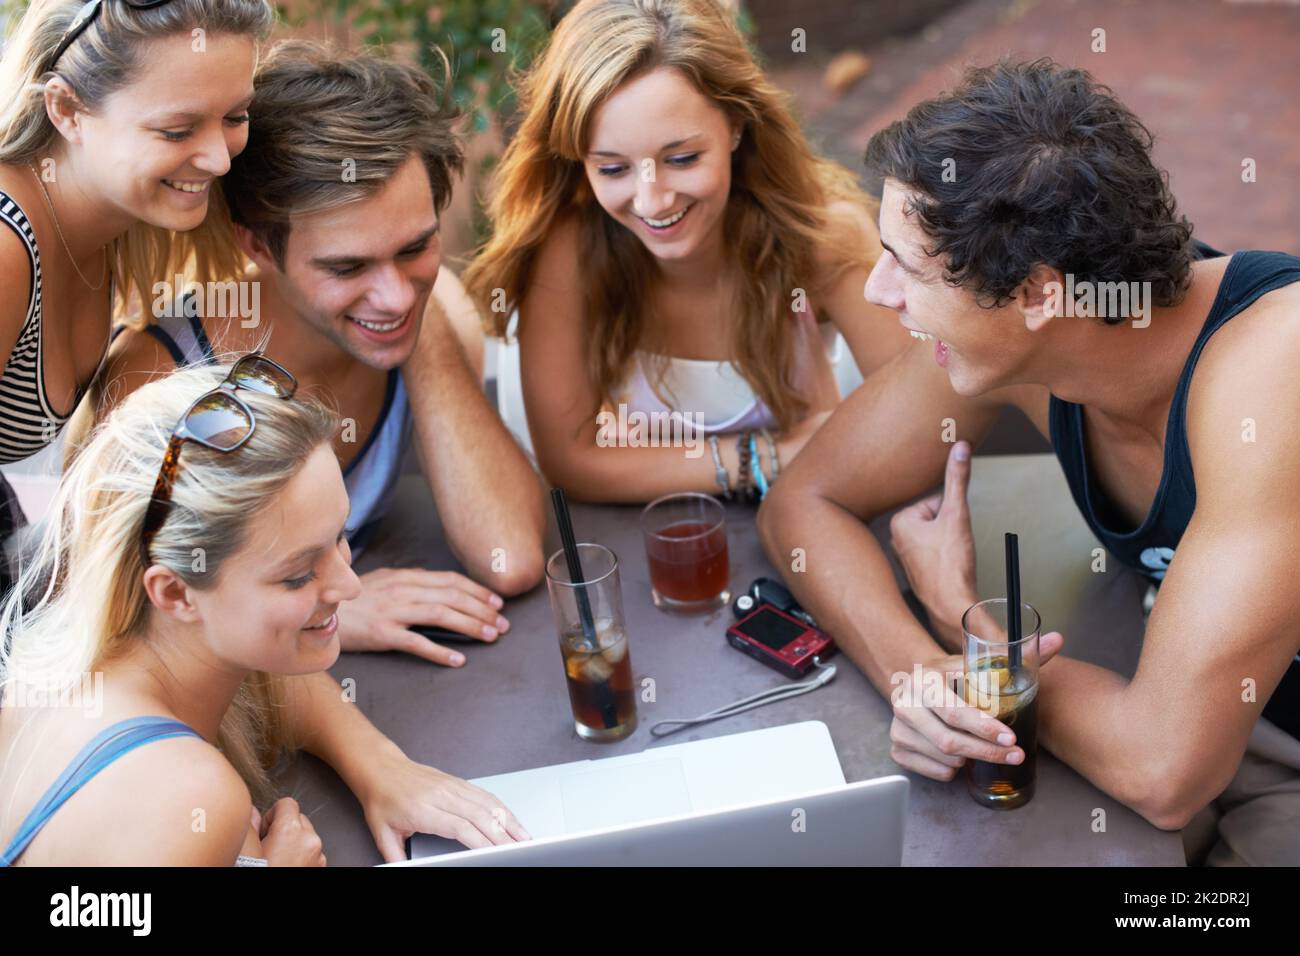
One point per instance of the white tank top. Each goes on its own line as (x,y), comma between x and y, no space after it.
(714,389)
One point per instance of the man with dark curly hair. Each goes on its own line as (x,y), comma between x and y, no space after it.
(1032,242)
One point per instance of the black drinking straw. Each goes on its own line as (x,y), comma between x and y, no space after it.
(1013,601)
(605,696)
(575,566)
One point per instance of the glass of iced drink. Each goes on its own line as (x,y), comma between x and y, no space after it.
(593,643)
(1000,677)
(686,548)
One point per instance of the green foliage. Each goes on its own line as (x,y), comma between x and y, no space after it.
(485,40)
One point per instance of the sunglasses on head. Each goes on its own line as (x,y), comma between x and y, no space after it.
(85,16)
(219,420)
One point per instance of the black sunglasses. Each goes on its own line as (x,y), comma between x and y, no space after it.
(85,16)
(219,420)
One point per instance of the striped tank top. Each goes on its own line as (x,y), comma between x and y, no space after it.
(27,421)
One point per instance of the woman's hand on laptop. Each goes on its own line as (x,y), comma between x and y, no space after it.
(934,732)
(415,798)
(394,599)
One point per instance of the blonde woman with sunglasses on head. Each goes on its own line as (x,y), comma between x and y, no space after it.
(195,570)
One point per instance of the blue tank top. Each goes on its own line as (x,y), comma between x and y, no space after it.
(1150,546)
(109,744)
(371,477)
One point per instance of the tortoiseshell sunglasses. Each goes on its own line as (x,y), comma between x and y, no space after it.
(219,420)
(85,17)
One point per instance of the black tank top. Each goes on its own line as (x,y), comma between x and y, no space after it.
(1150,546)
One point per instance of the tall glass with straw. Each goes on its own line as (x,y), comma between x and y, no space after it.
(587,601)
(1000,677)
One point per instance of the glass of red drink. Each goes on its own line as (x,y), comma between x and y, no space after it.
(686,547)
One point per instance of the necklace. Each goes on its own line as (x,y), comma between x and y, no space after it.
(59,229)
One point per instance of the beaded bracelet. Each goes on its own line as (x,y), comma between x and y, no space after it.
(759,479)
(743,450)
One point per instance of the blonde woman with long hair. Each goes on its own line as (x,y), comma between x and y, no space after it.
(671,244)
(191,572)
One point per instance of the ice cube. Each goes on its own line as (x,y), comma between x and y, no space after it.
(616,652)
(596,670)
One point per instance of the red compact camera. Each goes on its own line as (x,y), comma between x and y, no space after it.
(779,640)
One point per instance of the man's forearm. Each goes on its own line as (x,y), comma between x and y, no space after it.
(847,583)
(487,492)
(1085,713)
(1089,718)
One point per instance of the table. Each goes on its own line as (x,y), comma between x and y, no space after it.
(507,708)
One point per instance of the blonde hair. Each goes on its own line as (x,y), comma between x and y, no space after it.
(100,61)
(79,600)
(317,108)
(776,225)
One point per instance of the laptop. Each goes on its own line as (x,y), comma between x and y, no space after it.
(767,797)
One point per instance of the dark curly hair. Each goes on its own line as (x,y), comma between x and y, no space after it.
(1049,168)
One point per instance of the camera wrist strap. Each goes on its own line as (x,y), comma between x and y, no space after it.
(827,672)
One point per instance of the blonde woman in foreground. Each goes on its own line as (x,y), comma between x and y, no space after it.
(197,599)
